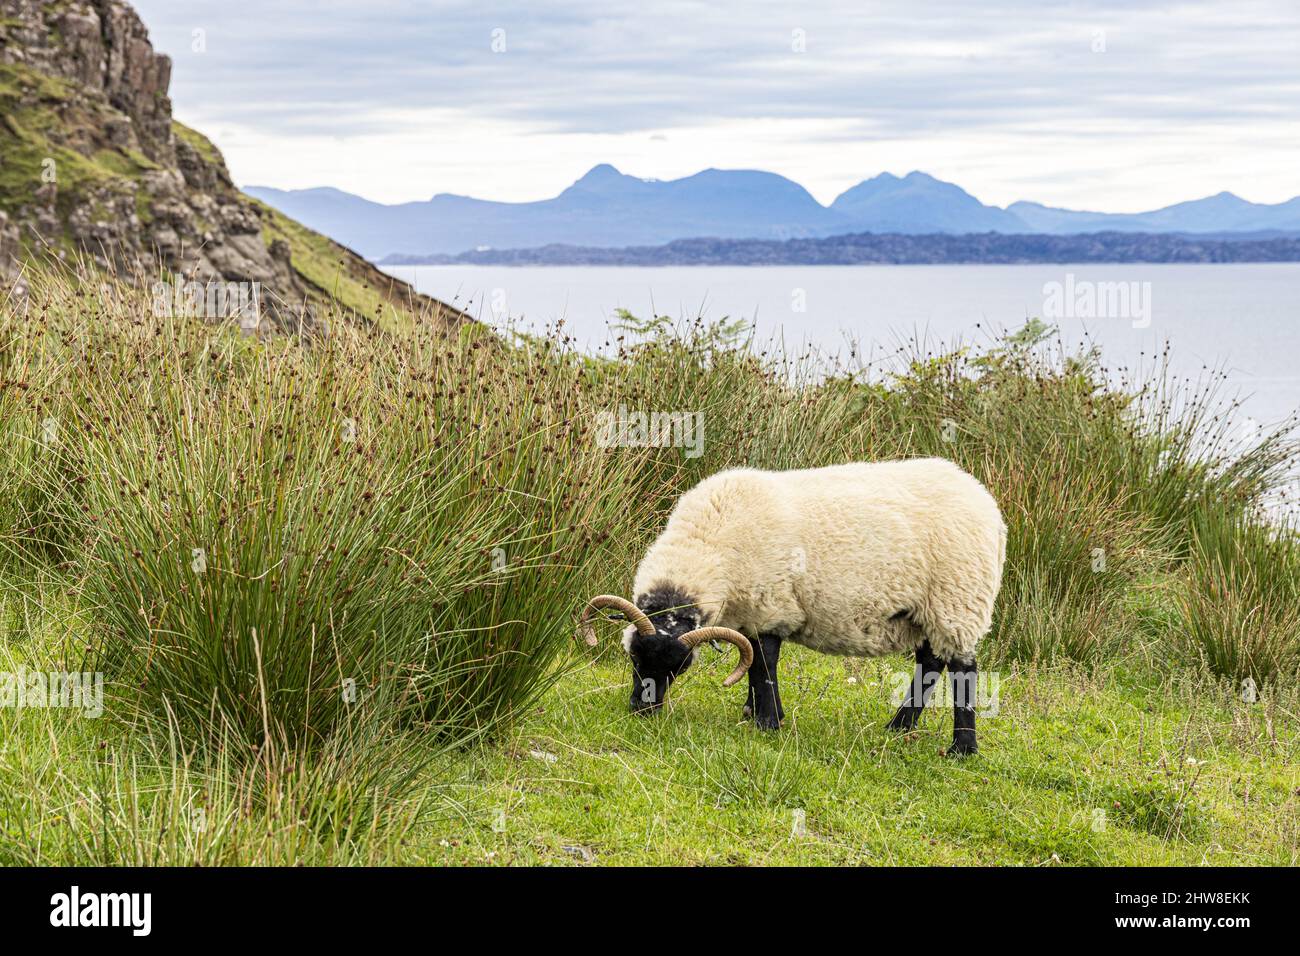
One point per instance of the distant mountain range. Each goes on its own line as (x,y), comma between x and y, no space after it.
(606,208)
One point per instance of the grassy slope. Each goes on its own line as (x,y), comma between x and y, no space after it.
(341,276)
(1185,774)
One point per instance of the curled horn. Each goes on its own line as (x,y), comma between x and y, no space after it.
(695,638)
(630,611)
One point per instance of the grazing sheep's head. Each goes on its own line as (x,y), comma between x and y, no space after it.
(661,641)
(658,659)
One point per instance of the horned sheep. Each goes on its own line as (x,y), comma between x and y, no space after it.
(861,559)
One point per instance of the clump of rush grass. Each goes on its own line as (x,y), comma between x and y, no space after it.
(1237,600)
(277,535)
(142,795)
(34,470)
(1106,492)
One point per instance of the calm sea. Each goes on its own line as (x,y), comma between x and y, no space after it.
(1241,319)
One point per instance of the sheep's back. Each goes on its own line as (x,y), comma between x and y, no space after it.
(828,555)
(896,545)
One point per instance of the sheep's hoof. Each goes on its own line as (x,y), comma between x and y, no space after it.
(767,722)
(963,744)
(747,711)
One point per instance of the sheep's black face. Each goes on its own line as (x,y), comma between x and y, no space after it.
(658,660)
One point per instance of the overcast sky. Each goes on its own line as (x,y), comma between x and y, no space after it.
(1117,106)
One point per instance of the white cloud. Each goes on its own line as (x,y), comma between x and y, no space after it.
(398,99)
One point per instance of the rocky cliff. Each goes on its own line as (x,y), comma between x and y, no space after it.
(92,163)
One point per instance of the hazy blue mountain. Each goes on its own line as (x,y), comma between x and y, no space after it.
(609,209)
(604,207)
(919,203)
(1223,212)
(358,223)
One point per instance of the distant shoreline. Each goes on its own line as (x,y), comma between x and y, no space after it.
(897,249)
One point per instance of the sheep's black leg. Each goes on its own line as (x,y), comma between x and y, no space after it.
(963,707)
(929,667)
(764,702)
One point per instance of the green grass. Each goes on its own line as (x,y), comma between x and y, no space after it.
(204,146)
(375,661)
(1182,774)
(1181,770)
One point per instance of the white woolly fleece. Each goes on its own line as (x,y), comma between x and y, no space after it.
(862,559)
